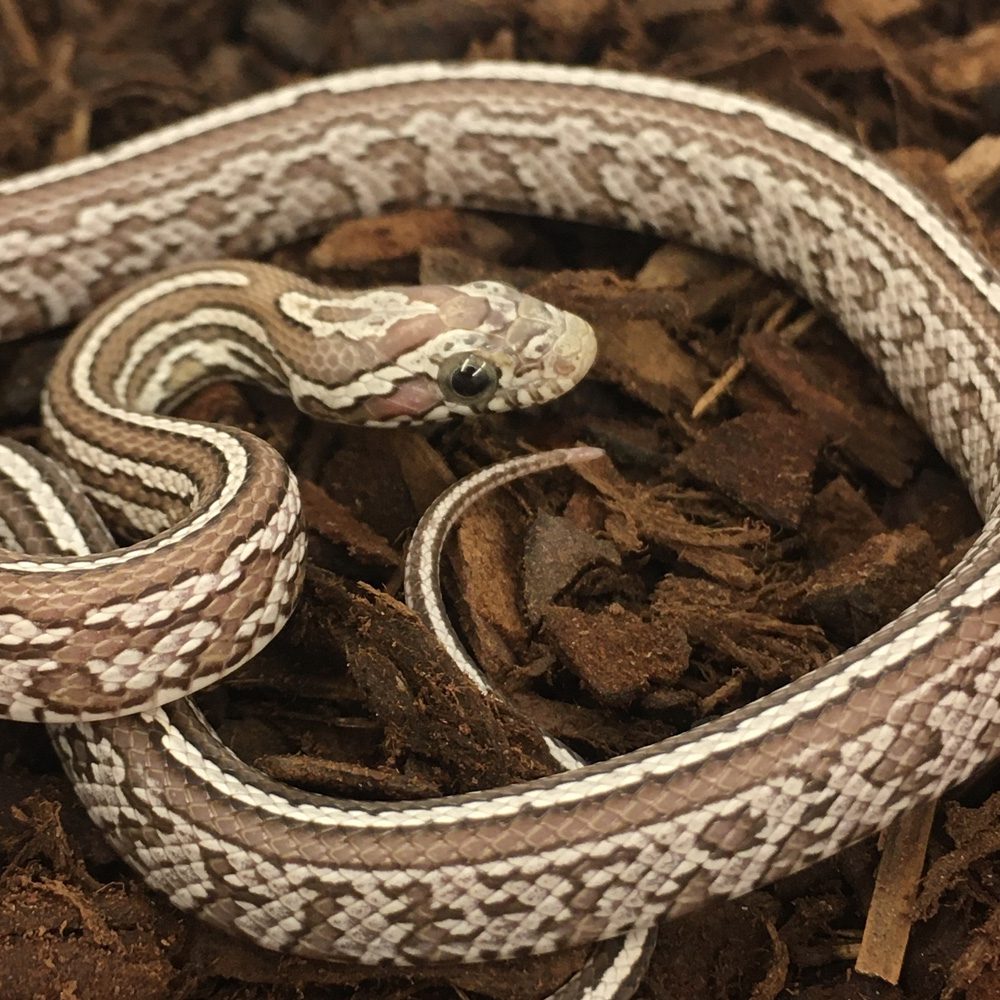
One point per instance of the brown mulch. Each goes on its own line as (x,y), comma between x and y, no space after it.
(765,503)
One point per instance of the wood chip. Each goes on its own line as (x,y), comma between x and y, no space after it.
(966,64)
(335,522)
(764,461)
(839,521)
(615,653)
(641,357)
(22,41)
(867,588)
(359,243)
(887,444)
(556,553)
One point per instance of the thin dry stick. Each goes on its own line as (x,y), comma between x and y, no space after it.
(708,398)
(890,916)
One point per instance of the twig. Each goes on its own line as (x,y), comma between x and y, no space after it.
(887,929)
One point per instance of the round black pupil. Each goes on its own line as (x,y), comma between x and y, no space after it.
(471,377)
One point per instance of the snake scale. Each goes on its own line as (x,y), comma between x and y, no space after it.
(609,848)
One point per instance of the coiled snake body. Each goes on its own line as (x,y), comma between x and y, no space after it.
(591,853)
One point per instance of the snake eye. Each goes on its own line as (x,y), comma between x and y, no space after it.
(469,378)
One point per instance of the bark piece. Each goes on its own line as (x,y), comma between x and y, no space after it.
(865,589)
(359,243)
(637,514)
(427,707)
(823,386)
(966,64)
(615,653)
(839,521)
(975,172)
(733,632)
(764,461)
(334,522)
(642,358)
(555,554)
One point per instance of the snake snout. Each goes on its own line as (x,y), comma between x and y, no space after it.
(557,350)
(575,348)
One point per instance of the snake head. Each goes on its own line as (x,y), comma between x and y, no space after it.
(504,350)
(425,353)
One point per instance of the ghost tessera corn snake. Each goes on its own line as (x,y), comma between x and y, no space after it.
(591,853)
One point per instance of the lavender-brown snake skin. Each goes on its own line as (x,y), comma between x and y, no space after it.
(594,852)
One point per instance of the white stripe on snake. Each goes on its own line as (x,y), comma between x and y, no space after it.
(588,854)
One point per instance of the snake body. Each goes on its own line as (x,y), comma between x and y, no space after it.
(612,970)
(590,853)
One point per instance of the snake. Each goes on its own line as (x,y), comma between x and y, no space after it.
(609,848)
